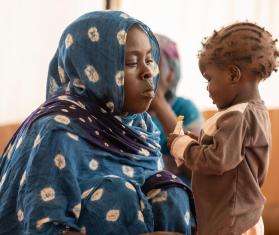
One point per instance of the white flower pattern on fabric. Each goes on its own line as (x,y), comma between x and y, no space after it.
(160,164)
(142,206)
(78,83)
(112,215)
(153,193)
(127,170)
(47,194)
(130,186)
(103,110)
(69,40)
(72,136)
(10,151)
(124,15)
(76,210)
(130,123)
(97,132)
(41,222)
(61,73)
(60,161)
(143,125)
(187,217)
(37,141)
(20,215)
(53,87)
(161,197)
(22,180)
(62,119)
(64,97)
(140,216)
(3,180)
(89,119)
(93,34)
(93,165)
(110,105)
(121,37)
(19,142)
(144,152)
(86,193)
(82,120)
(91,73)
(119,78)
(97,194)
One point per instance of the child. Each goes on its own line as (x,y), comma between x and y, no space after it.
(230,159)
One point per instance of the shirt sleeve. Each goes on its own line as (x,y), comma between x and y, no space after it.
(223,152)
(49,200)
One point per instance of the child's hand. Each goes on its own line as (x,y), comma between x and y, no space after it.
(171,138)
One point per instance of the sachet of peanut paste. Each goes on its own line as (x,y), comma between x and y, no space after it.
(178,130)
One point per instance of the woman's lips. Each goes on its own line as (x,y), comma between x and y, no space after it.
(148,94)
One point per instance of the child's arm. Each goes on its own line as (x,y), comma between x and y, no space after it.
(224,152)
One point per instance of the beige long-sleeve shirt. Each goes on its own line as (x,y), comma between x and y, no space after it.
(229,165)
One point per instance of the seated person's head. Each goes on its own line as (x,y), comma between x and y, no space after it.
(234,60)
(107,57)
(169,66)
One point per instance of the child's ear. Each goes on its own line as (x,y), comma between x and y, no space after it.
(234,74)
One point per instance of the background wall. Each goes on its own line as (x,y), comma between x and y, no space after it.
(30,30)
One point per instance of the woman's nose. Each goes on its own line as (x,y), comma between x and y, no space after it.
(147,72)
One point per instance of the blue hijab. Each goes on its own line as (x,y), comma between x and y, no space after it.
(79,134)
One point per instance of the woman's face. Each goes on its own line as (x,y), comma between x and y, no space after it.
(138,80)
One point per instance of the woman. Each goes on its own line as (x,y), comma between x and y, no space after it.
(167,106)
(86,159)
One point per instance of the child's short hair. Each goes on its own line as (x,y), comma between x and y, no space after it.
(245,45)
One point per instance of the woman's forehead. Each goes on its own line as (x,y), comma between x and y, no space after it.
(137,41)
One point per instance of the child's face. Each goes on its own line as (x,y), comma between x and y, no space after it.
(221,90)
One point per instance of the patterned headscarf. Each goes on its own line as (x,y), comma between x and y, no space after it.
(170,53)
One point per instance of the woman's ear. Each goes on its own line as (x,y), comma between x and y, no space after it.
(234,74)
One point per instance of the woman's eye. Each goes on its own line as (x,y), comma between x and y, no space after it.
(149,61)
(131,64)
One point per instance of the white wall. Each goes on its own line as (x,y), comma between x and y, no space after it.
(29,35)
(30,30)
